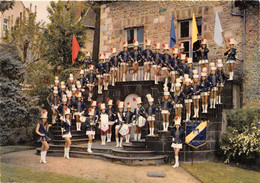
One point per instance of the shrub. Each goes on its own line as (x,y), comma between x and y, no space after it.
(240,143)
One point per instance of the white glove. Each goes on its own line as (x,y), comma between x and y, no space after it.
(173,139)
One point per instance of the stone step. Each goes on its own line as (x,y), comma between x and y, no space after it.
(138,142)
(131,147)
(124,153)
(73,141)
(154,160)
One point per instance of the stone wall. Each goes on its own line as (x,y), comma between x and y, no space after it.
(155,17)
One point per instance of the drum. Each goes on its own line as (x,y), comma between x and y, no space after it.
(141,121)
(124,130)
(82,119)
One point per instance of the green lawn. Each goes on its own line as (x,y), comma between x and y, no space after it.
(13,173)
(15,148)
(219,172)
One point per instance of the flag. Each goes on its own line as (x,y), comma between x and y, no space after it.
(75,48)
(194,30)
(196,133)
(172,35)
(218,31)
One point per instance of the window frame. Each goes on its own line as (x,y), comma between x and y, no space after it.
(131,45)
(189,39)
(5,24)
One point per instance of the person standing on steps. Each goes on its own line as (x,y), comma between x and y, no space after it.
(151,112)
(196,94)
(66,133)
(42,129)
(140,120)
(129,120)
(120,121)
(213,79)
(90,125)
(136,58)
(100,72)
(165,108)
(221,79)
(111,117)
(177,140)
(157,63)
(103,119)
(147,56)
(231,58)
(204,87)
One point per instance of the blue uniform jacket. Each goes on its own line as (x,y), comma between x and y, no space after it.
(231,54)
(187,91)
(90,124)
(107,66)
(205,85)
(157,60)
(203,54)
(164,58)
(166,105)
(88,62)
(128,117)
(212,81)
(136,55)
(66,127)
(141,112)
(91,78)
(181,136)
(221,76)
(75,105)
(153,110)
(178,98)
(124,55)
(145,54)
(82,81)
(114,61)
(100,68)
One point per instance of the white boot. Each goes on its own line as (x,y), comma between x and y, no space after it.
(163,126)
(148,76)
(117,142)
(232,75)
(103,139)
(53,119)
(127,138)
(136,77)
(123,77)
(195,113)
(211,103)
(139,136)
(65,152)
(206,108)
(133,77)
(68,153)
(105,86)
(188,117)
(166,126)
(203,108)
(42,157)
(166,82)
(152,131)
(89,148)
(121,141)
(113,81)
(108,137)
(214,103)
(135,136)
(176,165)
(156,80)
(217,99)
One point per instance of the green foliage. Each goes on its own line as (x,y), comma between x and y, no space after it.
(18,115)
(241,141)
(15,148)
(58,34)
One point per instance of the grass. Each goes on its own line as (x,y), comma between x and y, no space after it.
(15,148)
(13,173)
(218,172)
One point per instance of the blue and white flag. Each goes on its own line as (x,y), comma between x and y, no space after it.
(172,35)
(218,31)
(196,133)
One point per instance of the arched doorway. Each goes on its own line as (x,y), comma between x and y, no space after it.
(129,98)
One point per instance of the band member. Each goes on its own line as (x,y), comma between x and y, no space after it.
(129,120)
(165,108)
(42,129)
(100,71)
(69,98)
(79,88)
(222,79)
(177,140)
(107,66)
(125,58)
(88,61)
(213,79)
(147,55)
(62,91)
(91,80)
(157,61)
(111,117)
(178,97)
(203,53)
(166,58)
(115,65)
(54,101)
(120,120)
(103,119)
(66,131)
(136,59)
(139,118)
(56,84)
(182,66)
(231,58)
(189,69)
(94,107)
(79,107)
(74,90)
(196,96)
(61,108)
(90,126)
(182,49)
(70,82)
(204,86)
(151,112)
(188,91)
(172,65)
(81,79)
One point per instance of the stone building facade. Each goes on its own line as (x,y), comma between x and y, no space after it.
(155,20)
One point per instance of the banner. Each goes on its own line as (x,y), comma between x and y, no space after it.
(196,133)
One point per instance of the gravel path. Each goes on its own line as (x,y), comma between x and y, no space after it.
(98,169)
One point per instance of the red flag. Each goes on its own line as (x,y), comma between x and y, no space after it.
(75,48)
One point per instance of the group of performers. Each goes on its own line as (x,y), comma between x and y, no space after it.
(187,86)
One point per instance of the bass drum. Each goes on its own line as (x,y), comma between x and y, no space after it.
(124,130)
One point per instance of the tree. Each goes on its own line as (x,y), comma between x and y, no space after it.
(58,34)
(18,115)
